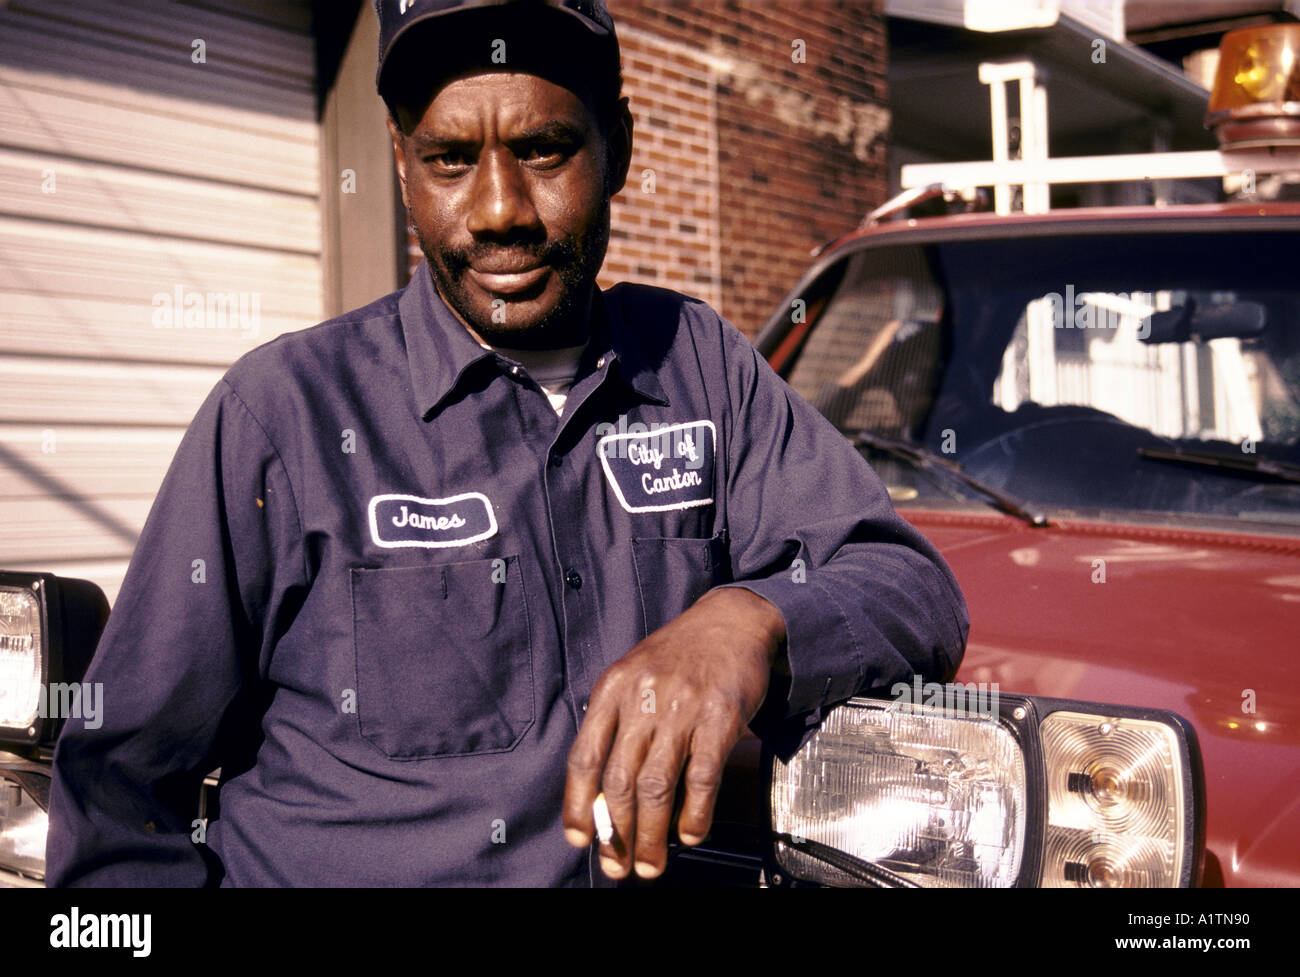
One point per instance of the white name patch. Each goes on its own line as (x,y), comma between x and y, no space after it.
(408,520)
(670,467)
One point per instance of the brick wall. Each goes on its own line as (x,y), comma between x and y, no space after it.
(744,157)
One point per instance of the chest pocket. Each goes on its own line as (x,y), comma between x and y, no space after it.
(443,656)
(673,573)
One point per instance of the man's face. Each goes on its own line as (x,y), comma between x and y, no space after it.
(507,178)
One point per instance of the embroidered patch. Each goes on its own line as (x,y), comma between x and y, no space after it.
(408,520)
(668,468)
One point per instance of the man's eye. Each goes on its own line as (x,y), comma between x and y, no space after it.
(449,161)
(547,154)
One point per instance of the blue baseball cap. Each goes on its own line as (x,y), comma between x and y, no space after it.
(585,22)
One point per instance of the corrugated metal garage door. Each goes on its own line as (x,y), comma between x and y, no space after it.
(159,216)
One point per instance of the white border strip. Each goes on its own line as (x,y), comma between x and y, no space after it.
(430,544)
(658,432)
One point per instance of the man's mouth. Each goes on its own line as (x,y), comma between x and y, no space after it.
(506,280)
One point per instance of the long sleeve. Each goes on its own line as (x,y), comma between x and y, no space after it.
(179,662)
(867,600)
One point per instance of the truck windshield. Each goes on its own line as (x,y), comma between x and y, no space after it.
(1154,373)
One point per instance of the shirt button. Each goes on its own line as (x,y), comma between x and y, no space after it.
(574,579)
(556,460)
(600,362)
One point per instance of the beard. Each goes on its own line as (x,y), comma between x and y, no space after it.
(575,261)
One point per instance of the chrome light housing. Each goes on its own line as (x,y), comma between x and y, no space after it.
(24,821)
(1032,792)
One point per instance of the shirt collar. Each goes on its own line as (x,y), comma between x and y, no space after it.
(440,350)
(633,361)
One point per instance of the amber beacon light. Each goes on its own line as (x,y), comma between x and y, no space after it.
(1256,97)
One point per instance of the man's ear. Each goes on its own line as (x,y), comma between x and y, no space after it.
(619,143)
(399,158)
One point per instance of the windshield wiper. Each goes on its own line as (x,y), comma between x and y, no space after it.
(1258,466)
(867,872)
(927,460)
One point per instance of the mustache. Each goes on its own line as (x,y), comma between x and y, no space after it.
(556,254)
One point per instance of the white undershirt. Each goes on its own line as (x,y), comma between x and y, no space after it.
(554,370)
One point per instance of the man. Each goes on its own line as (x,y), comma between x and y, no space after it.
(428,578)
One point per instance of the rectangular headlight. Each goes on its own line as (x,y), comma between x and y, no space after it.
(922,794)
(49,627)
(22,659)
(1036,792)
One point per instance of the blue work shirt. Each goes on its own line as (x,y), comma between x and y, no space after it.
(382,577)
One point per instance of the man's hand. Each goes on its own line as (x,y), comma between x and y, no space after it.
(682,697)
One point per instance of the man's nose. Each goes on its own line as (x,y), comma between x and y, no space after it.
(501,201)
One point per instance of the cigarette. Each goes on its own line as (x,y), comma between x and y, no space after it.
(604,826)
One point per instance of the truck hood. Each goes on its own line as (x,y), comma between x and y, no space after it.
(1202,624)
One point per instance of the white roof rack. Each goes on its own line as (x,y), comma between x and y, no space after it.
(1100,169)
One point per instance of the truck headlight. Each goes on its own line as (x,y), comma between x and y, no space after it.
(21,660)
(1035,792)
(49,627)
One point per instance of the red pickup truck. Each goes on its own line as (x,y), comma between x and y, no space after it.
(1095,415)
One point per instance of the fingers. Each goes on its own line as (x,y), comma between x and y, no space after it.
(619,783)
(702,780)
(586,763)
(640,785)
(656,787)
(669,710)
